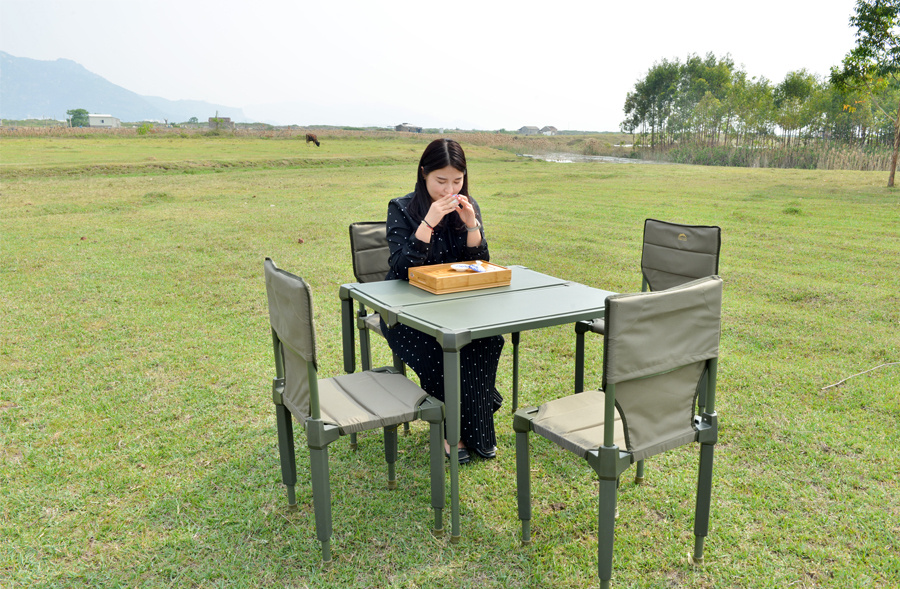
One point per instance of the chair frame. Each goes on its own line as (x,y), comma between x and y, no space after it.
(609,462)
(319,434)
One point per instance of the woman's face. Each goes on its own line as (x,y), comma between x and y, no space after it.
(444,182)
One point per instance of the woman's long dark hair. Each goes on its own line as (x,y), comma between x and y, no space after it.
(440,153)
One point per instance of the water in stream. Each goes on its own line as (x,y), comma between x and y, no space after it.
(570,158)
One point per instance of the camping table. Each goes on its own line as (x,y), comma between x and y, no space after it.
(531,301)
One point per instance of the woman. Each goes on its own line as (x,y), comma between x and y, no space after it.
(439,223)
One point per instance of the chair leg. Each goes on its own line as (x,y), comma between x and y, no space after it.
(318,436)
(639,473)
(322,500)
(432,411)
(704,495)
(606,523)
(390,455)
(286,452)
(515,374)
(701,396)
(400,368)
(436,449)
(365,350)
(523,484)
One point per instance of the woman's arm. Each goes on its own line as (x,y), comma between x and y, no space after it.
(405,240)
(476,244)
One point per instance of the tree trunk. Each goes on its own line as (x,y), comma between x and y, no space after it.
(896,149)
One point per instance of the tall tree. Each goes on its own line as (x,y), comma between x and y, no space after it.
(651,102)
(792,99)
(876,55)
(78,117)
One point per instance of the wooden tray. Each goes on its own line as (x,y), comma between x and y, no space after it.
(441,278)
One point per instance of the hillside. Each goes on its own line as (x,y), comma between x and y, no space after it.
(31,88)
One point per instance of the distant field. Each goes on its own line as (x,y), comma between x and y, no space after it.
(79,150)
(137,439)
(118,154)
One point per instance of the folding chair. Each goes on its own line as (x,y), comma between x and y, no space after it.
(672,254)
(660,349)
(332,407)
(370,253)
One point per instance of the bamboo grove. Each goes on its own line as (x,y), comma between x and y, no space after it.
(707,108)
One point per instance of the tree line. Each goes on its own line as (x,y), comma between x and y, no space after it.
(709,101)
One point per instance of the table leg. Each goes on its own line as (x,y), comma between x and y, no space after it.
(348,331)
(581,328)
(452,408)
(515,375)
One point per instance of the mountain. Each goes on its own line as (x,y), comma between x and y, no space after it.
(31,88)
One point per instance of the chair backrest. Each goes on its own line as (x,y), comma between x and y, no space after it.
(674,254)
(369,246)
(294,336)
(656,351)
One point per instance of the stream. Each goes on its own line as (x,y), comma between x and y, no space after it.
(571,158)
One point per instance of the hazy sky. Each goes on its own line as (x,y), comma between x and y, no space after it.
(471,64)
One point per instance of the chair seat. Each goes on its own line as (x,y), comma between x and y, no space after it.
(373,323)
(575,422)
(366,400)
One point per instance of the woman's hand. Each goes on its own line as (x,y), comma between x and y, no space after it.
(467,211)
(441,207)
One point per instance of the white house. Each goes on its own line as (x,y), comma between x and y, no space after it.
(103,121)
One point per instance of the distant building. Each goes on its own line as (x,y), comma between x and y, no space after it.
(408,128)
(529,131)
(107,121)
(549,131)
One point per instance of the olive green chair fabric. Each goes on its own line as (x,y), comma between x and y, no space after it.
(368,242)
(660,349)
(370,253)
(672,254)
(332,407)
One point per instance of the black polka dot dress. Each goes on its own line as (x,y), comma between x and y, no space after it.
(479,397)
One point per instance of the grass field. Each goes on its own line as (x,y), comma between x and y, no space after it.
(137,435)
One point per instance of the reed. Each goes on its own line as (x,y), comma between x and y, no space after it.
(819,156)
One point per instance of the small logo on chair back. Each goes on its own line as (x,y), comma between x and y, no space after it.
(682,237)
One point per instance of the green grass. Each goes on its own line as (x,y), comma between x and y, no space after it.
(137,438)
